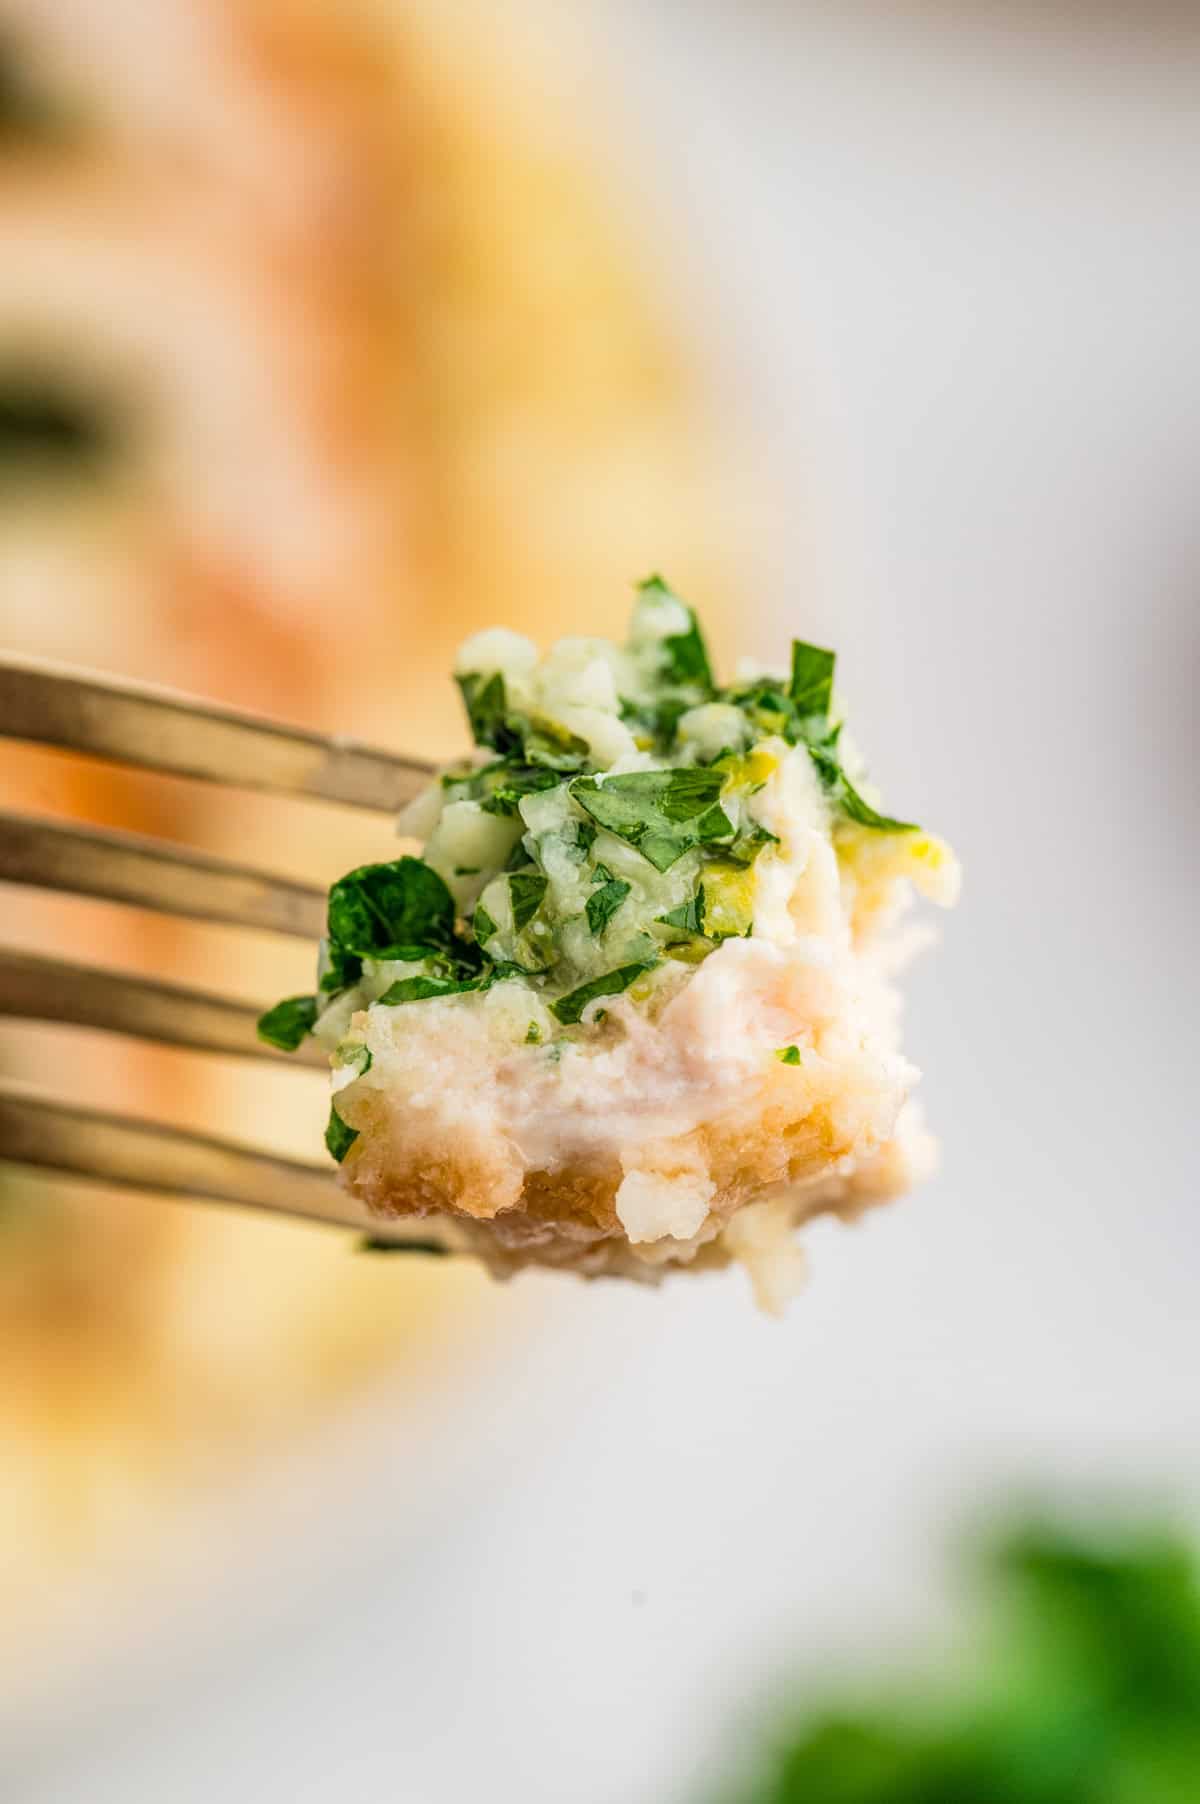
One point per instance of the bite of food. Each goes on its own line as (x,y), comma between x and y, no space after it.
(632,1010)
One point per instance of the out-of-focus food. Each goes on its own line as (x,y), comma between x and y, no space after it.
(316,329)
(1086,1692)
(631,1009)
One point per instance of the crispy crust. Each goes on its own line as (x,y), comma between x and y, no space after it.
(567,1218)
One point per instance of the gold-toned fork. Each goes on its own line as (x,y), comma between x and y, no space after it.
(157,730)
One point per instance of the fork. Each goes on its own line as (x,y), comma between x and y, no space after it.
(157,730)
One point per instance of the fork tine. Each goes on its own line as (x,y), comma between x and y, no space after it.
(134,723)
(34,987)
(127,867)
(147,1155)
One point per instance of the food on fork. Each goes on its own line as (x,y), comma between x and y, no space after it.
(631,1009)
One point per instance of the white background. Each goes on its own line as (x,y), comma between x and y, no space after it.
(949,281)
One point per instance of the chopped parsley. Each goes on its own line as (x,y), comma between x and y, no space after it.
(684,655)
(503,793)
(525,892)
(811,689)
(689,916)
(603,903)
(555,914)
(661,813)
(569,1008)
(420,989)
(338,1137)
(486,702)
(385,910)
(337,969)
(722,907)
(288,1022)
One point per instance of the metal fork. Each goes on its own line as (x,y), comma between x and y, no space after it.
(157,730)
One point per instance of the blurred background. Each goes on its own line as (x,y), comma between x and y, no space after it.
(331,330)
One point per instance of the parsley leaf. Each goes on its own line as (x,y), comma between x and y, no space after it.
(603,903)
(338,1137)
(501,968)
(505,785)
(788,1055)
(689,916)
(653,724)
(685,655)
(519,859)
(288,1022)
(380,907)
(420,989)
(336,969)
(486,701)
(546,743)
(811,687)
(570,1007)
(535,742)
(482,925)
(843,795)
(749,843)
(661,813)
(525,890)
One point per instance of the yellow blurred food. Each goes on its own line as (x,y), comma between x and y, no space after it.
(322,343)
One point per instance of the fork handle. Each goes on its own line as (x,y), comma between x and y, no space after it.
(133,723)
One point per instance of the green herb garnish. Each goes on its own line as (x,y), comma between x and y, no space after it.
(603,903)
(689,915)
(569,1008)
(288,1022)
(336,968)
(382,910)
(843,795)
(502,793)
(661,813)
(811,687)
(685,655)
(694,805)
(420,989)
(338,1137)
(789,1055)
(486,702)
(525,890)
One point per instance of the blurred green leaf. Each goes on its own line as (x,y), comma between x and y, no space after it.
(1086,1692)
